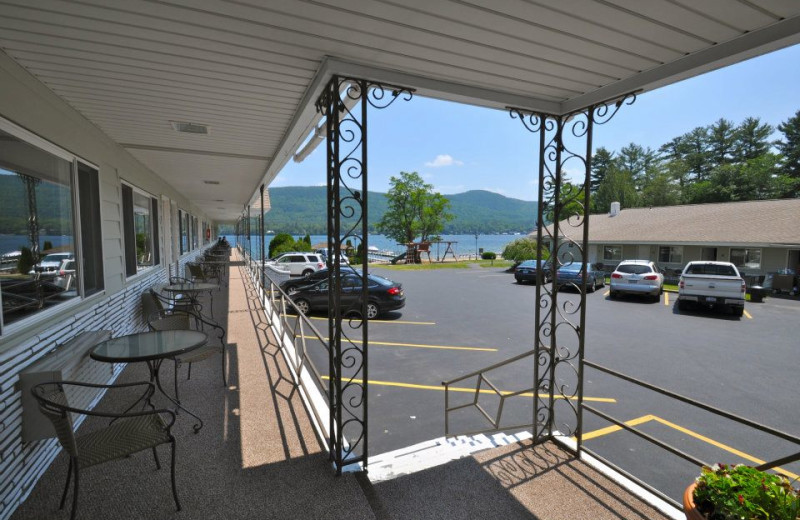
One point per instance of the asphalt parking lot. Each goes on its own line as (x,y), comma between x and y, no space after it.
(459,320)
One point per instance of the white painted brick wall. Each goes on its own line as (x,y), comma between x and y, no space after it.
(22,464)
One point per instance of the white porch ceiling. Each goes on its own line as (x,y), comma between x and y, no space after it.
(250,69)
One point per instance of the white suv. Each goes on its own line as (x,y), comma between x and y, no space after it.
(637,277)
(299,264)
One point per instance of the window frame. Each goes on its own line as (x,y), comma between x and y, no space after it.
(154,234)
(746,250)
(34,140)
(670,256)
(612,259)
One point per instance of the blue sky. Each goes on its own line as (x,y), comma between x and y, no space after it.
(459,147)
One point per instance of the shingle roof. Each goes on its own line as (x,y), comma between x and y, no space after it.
(750,222)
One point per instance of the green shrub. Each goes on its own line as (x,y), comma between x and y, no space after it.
(489,255)
(523,249)
(277,241)
(26,261)
(726,492)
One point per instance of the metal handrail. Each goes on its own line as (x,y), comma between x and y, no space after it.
(296,333)
(672,449)
(481,375)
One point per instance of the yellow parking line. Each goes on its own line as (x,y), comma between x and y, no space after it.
(748,315)
(606,293)
(647,418)
(401,322)
(666,298)
(440,388)
(415,345)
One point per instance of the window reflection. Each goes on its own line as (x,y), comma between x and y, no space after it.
(37,251)
(143,229)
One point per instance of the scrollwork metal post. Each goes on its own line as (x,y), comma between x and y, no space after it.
(344,102)
(559,341)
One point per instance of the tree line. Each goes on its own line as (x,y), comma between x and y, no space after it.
(721,162)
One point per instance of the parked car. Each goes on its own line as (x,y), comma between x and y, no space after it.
(384,295)
(637,277)
(49,265)
(573,274)
(66,275)
(324,253)
(291,286)
(299,264)
(713,284)
(526,271)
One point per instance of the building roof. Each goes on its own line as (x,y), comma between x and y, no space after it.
(756,222)
(224,91)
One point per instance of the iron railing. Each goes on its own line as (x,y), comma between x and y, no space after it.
(293,331)
(668,447)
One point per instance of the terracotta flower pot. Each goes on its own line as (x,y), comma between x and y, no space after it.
(688,504)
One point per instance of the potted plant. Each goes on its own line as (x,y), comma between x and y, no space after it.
(726,492)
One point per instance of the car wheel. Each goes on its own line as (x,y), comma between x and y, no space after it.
(307,273)
(292,290)
(612,294)
(682,305)
(303,306)
(593,287)
(373,311)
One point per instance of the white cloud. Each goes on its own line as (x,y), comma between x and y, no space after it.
(444,160)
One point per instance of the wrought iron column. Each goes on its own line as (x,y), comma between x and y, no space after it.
(249,236)
(565,143)
(261,229)
(344,103)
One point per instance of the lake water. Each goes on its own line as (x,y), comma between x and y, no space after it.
(463,244)
(9,243)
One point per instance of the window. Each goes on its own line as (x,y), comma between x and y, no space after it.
(195,232)
(612,252)
(746,258)
(50,242)
(140,221)
(183,222)
(670,254)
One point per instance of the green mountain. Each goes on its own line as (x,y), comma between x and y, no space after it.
(297,209)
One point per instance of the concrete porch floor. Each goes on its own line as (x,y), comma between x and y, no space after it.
(258,457)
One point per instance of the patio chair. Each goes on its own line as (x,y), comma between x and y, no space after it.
(203,273)
(128,433)
(158,301)
(181,319)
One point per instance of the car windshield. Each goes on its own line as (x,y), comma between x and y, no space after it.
(53,258)
(711,269)
(572,267)
(532,263)
(634,269)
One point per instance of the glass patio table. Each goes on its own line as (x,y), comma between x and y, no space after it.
(152,348)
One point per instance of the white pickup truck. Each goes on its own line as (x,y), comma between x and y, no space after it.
(713,284)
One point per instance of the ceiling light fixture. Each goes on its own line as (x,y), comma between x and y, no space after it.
(189,128)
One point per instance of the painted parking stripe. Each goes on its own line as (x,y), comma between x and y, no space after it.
(647,418)
(666,298)
(606,293)
(440,388)
(415,345)
(399,322)
(748,315)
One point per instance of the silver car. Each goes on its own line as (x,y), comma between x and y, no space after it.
(299,264)
(637,277)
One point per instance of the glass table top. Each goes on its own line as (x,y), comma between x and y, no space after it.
(148,346)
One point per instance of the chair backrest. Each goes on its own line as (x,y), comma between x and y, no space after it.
(196,271)
(53,404)
(170,320)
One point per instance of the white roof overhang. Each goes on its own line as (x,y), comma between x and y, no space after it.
(251,70)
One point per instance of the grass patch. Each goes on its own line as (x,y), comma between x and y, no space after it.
(670,287)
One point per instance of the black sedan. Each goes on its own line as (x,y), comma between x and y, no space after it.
(526,271)
(291,286)
(384,295)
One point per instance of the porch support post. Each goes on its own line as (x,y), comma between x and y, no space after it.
(261,229)
(249,236)
(562,234)
(344,102)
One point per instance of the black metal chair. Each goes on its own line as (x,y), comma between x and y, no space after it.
(128,433)
(184,319)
